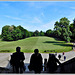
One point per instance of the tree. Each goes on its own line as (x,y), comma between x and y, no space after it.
(10,29)
(72,28)
(0,36)
(41,33)
(49,32)
(62,29)
(36,33)
(5,28)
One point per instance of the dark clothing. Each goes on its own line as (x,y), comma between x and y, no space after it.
(52,64)
(64,57)
(59,56)
(36,63)
(63,53)
(16,61)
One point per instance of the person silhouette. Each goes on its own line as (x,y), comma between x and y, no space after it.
(52,63)
(59,56)
(64,58)
(16,61)
(36,62)
(63,53)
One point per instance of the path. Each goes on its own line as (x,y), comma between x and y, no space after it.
(4,58)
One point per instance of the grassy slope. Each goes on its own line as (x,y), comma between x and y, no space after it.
(42,43)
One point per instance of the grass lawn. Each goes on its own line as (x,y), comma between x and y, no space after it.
(42,43)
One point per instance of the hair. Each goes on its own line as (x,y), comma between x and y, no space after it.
(51,56)
(18,49)
(36,50)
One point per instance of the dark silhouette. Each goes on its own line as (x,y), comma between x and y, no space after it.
(64,58)
(16,61)
(45,64)
(52,63)
(36,62)
(59,56)
(63,53)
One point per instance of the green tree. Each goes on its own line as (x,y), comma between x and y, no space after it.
(49,32)
(0,36)
(72,28)
(41,33)
(36,33)
(5,28)
(62,29)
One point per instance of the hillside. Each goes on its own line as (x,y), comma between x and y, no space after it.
(42,43)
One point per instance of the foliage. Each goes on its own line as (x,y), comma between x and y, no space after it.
(62,29)
(49,33)
(72,28)
(0,36)
(42,33)
(36,33)
(13,33)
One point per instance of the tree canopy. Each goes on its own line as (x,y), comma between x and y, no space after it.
(62,29)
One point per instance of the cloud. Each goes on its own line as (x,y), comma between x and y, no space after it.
(43,27)
(71,16)
(15,18)
(36,20)
(72,7)
(49,25)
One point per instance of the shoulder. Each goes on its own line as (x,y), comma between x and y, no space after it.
(14,53)
(33,55)
(21,53)
(39,54)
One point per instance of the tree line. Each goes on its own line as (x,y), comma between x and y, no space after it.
(62,29)
(13,33)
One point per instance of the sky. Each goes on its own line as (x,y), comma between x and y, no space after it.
(35,15)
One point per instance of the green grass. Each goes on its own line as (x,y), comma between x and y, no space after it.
(42,43)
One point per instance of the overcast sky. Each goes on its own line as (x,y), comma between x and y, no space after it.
(35,15)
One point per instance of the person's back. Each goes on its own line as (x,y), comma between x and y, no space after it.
(18,58)
(36,61)
(52,63)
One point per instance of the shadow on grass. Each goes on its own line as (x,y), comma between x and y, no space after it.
(58,39)
(58,43)
(4,51)
(52,42)
(64,45)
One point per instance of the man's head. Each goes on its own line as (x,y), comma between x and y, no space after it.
(36,51)
(18,49)
(51,55)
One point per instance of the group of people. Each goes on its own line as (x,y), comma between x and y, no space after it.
(63,54)
(36,62)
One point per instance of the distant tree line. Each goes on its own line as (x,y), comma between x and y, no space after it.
(13,33)
(62,29)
